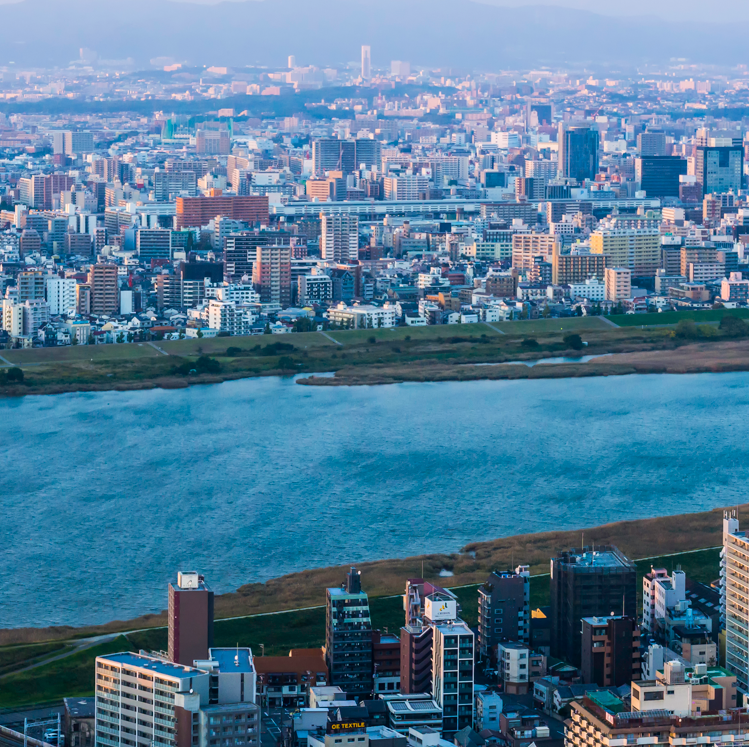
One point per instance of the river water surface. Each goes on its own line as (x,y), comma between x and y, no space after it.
(106,495)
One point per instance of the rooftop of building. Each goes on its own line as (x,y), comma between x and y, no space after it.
(232,659)
(606,556)
(80,707)
(152,664)
(602,620)
(607,700)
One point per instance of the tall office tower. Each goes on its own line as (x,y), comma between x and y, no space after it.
(348,637)
(400,69)
(719,162)
(452,661)
(610,650)
(190,619)
(504,609)
(366,62)
(154,244)
(208,705)
(105,289)
(30,286)
(213,142)
(594,582)
(339,240)
(291,62)
(78,143)
(659,176)
(638,249)
(271,274)
(541,169)
(734,581)
(332,154)
(651,144)
(367,153)
(539,113)
(578,151)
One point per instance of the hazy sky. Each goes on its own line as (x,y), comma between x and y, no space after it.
(674,10)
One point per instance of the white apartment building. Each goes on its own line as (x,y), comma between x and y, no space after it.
(734,582)
(239,293)
(618,282)
(488,709)
(660,592)
(506,140)
(592,289)
(408,187)
(339,237)
(363,316)
(228,316)
(145,701)
(314,289)
(452,662)
(13,317)
(60,294)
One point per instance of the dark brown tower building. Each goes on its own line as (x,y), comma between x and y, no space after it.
(190,619)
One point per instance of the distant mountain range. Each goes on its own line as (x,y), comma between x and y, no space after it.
(452,33)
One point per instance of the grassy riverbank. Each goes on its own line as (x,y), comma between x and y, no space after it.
(437,353)
(74,675)
(638,539)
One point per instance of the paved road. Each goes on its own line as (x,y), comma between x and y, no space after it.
(332,339)
(496,329)
(156,347)
(608,321)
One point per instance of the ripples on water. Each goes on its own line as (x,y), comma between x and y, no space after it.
(106,495)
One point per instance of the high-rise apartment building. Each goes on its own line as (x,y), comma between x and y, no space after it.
(594,582)
(190,616)
(271,274)
(407,187)
(366,62)
(659,593)
(105,289)
(31,286)
(348,637)
(610,654)
(339,238)
(578,151)
(527,246)
(452,661)
(147,701)
(576,268)
(618,282)
(504,609)
(734,582)
(637,249)
(60,294)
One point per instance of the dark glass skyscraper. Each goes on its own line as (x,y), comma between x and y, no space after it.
(578,151)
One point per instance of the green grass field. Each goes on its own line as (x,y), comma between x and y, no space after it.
(218,345)
(73,353)
(541,326)
(674,317)
(434,332)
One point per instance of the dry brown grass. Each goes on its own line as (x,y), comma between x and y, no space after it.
(637,539)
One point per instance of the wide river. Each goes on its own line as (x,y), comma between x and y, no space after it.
(105,496)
